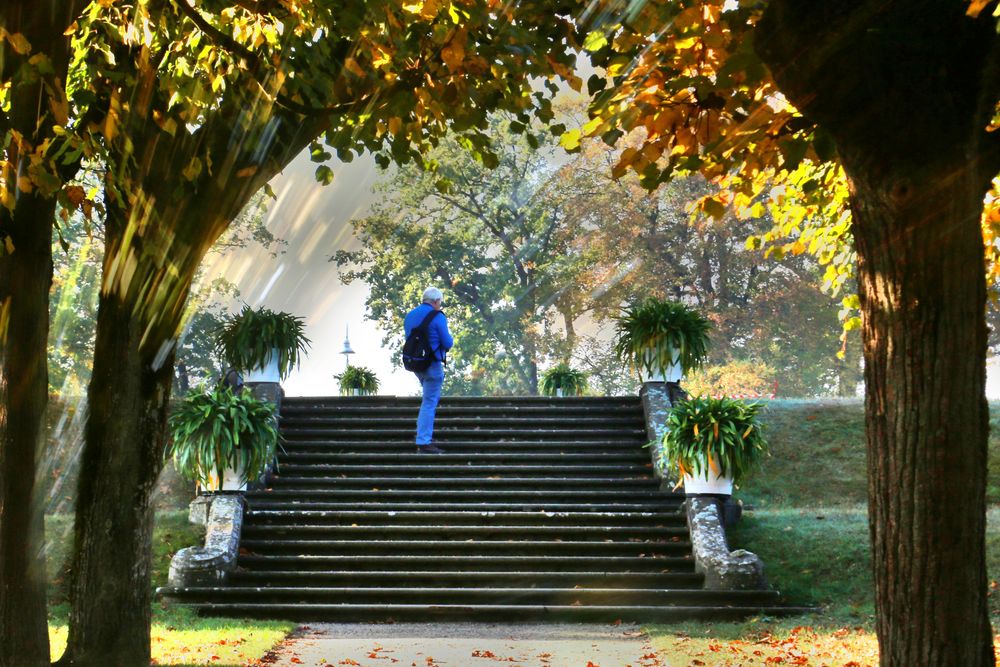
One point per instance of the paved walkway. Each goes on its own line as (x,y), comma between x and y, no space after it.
(465,645)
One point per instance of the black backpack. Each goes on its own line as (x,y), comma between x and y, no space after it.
(417,352)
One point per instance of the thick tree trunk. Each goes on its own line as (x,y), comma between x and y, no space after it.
(919,248)
(125,435)
(25,279)
(906,88)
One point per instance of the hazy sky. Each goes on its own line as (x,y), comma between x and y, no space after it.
(314,219)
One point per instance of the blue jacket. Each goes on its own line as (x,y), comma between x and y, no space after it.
(440,339)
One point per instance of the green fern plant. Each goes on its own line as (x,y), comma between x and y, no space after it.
(212,431)
(723,435)
(358,377)
(245,340)
(655,334)
(561,376)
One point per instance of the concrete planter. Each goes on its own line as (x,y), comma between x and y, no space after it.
(673,373)
(232,480)
(267,372)
(708,484)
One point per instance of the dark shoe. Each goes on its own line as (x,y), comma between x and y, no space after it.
(429,449)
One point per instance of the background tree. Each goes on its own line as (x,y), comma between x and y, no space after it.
(893,104)
(542,246)
(495,237)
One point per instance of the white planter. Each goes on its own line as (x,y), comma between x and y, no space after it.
(232,480)
(708,483)
(266,373)
(673,374)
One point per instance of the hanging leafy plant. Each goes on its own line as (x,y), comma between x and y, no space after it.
(246,340)
(358,377)
(212,431)
(561,376)
(655,334)
(723,435)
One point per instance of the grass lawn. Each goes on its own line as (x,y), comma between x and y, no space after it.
(805,515)
(179,637)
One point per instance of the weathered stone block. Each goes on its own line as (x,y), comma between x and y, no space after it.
(723,569)
(198,510)
(209,565)
(656,407)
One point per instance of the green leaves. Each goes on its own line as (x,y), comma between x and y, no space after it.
(723,435)
(358,377)
(324,174)
(654,334)
(246,340)
(213,431)
(572,382)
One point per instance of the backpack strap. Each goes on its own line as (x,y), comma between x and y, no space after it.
(427,320)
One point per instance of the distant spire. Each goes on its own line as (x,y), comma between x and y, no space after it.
(347,351)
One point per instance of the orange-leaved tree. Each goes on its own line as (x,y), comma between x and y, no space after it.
(870,121)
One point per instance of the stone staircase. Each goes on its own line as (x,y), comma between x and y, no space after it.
(540,509)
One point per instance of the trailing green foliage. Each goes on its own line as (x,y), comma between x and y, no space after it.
(358,377)
(722,434)
(246,339)
(572,382)
(655,334)
(212,431)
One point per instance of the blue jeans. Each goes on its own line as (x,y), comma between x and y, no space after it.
(431,381)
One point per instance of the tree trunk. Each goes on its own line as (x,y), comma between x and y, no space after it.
(125,436)
(927,416)
(25,279)
(906,88)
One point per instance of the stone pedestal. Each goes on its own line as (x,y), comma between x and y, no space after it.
(656,407)
(272,393)
(657,399)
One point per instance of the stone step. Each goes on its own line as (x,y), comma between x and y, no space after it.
(653,547)
(456,495)
(465,563)
(468,469)
(445,432)
(459,595)
(408,457)
(446,411)
(271,502)
(458,483)
(467,579)
(461,518)
(442,422)
(402,532)
(631,448)
(494,612)
(295,402)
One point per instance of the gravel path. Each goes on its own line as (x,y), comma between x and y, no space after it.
(464,645)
